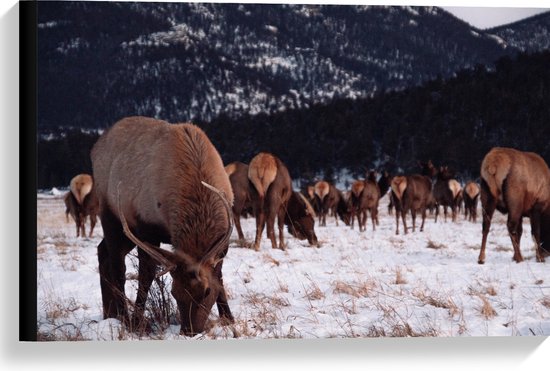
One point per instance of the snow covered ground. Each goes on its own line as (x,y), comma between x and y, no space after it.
(358,284)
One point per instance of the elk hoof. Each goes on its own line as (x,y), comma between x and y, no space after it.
(518,259)
(480,262)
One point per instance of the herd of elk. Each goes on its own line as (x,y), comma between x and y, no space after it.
(81,202)
(155,182)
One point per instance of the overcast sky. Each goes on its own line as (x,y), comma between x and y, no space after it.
(487,17)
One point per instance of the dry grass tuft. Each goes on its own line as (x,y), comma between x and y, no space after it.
(399,278)
(362,289)
(486,309)
(313,292)
(269,259)
(436,246)
(545,301)
(400,330)
(503,249)
(444,303)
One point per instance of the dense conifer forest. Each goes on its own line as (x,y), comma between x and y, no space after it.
(451,121)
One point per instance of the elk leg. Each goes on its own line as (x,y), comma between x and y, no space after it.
(535,232)
(436,212)
(374,218)
(260,222)
(396,222)
(146,275)
(515,230)
(423,219)
(270,228)
(112,268)
(221,301)
(237,219)
(413,214)
(404,218)
(489,204)
(281,225)
(83,227)
(93,221)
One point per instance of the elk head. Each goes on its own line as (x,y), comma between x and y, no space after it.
(195,283)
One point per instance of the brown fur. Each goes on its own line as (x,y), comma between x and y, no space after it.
(398,186)
(327,198)
(262,172)
(321,189)
(517,183)
(238,176)
(413,193)
(365,200)
(471,197)
(357,188)
(446,191)
(455,187)
(270,194)
(81,186)
(300,218)
(151,172)
(79,211)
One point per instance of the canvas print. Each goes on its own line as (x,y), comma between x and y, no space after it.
(286,171)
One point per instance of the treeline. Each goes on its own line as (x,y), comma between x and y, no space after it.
(453,121)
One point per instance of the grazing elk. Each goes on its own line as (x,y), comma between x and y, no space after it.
(412,192)
(162,183)
(364,197)
(80,202)
(270,193)
(300,218)
(517,183)
(238,176)
(471,197)
(327,197)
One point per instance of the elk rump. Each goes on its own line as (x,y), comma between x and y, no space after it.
(81,202)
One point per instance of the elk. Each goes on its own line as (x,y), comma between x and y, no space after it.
(412,192)
(518,184)
(162,183)
(238,176)
(327,197)
(342,208)
(300,218)
(364,197)
(446,191)
(80,202)
(270,193)
(471,197)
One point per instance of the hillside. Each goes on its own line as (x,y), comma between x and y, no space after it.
(100,61)
(529,35)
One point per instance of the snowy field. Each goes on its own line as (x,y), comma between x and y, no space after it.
(358,284)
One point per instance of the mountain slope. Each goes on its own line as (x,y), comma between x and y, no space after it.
(100,61)
(530,35)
